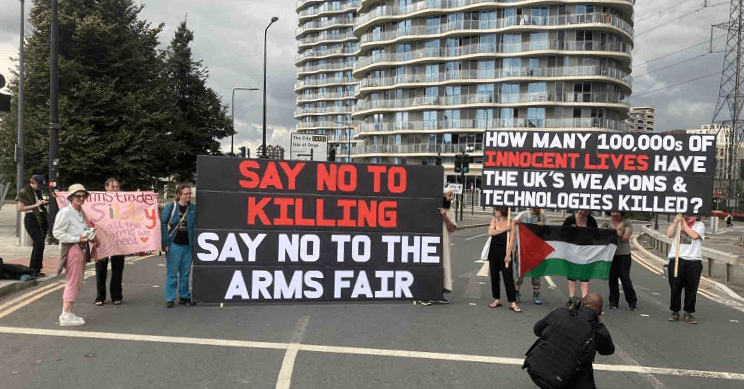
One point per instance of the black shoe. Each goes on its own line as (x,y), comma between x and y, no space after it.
(186,302)
(613,306)
(632,307)
(170,304)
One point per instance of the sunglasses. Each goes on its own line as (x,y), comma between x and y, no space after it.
(80,196)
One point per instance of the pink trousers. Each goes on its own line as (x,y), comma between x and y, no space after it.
(74,269)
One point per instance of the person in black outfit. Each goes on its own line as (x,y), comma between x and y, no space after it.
(499,259)
(117,265)
(590,310)
(36,221)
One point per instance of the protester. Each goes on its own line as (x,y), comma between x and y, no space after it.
(690,265)
(729,220)
(621,261)
(499,259)
(177,229)
(569,338)
(71,228)
(36,222)
(531,216)
(117,265)
(581,218)
(449,225)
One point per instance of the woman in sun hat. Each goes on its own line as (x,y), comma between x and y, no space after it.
(73,230)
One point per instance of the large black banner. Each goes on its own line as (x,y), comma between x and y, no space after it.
(660,173)
(316,231)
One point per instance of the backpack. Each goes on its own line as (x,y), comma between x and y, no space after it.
(559,357)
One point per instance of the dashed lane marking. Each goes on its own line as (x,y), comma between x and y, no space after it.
(477,236)
(358,351)
(57,286)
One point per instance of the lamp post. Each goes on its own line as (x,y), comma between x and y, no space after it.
(20,159)
(232,106)
(263,152)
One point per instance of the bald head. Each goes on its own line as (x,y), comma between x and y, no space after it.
(593,301)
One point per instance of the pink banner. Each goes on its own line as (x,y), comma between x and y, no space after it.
(125,222)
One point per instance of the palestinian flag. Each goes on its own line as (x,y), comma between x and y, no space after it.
(573,252)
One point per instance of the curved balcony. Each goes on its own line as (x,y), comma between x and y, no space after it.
(302,3)
(592,20)
(496,75)
(312,25)
(478,126)
(305,98)
(497,100)
(300,111)
(324,67)
(328,8)
(364,18)
(318,54)
(409,149)
(323,124)
(331,81)
(443,54)
(325,36)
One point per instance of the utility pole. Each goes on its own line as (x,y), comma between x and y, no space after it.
(731,95)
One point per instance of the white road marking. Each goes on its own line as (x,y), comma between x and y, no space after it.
(734,321)
(477,236)
(356,351)
(285,373)
(644,315)
(483,272)
(472,304)
(550,282)
(156,286)
(629,360)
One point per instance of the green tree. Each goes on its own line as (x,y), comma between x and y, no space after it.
(112,96)
(200,119)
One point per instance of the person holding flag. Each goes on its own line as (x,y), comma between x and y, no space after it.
(499,258)
(685,264)
(531,216)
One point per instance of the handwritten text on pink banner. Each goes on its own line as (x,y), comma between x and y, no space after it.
(125,222)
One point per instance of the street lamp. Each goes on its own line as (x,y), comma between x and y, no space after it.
(232,106)
(263,152)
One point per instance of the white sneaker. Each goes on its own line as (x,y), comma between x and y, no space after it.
(69,319)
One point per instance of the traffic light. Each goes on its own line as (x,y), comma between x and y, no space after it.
(332,155)
(458,163)
(242,151)
(438,161)
(4,99)
(466,163)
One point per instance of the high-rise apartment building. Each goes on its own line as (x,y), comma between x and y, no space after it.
(642,119)
(433,75)
(325,87)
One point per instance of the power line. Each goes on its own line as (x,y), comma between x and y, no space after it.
(660,12)
(675,64)
(678,18)
(677,84)
(678,51)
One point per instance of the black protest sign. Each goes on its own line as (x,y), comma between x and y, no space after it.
(292,283)
(316,231)
(660,173)
(268,248)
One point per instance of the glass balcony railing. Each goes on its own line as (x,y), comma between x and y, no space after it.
(449,53)
(307,82)
(479,125)
(574,21)
(496,74)
(496,99)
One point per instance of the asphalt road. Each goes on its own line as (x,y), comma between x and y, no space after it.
(141,344)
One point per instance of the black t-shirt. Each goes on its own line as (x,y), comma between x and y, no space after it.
(591,222)
(182,236)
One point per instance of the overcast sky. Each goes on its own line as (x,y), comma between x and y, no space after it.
(228,37)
